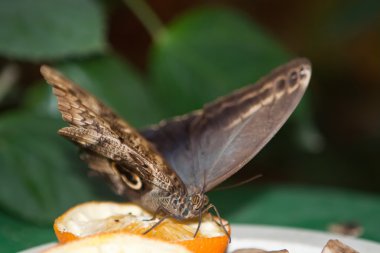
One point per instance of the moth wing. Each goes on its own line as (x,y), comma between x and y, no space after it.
(233,129)
(105,136)
(172,139)
(208,146)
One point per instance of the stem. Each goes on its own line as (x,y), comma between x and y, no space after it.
(146,16)
(9,75)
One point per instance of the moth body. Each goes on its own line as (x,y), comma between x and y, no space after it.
(187,206)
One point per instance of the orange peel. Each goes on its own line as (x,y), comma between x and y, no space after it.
(94,218)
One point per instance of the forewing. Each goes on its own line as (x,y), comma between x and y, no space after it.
(235,128)
(207,146)
(98,130)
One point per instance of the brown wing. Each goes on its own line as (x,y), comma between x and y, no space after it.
(97,129)
(208,146)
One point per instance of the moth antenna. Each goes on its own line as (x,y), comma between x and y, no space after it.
(195,162)
(239,183)
(204,183)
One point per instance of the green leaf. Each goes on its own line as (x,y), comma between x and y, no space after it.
(110,79)
(40,101)
(208,53)
(16,235)
(49,29)
(40,164)
(300,206)
(39,169)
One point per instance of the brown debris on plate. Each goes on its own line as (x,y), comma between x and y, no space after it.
(336,246)
(346,228)
(259,251)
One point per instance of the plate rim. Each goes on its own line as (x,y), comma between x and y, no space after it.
(305,236)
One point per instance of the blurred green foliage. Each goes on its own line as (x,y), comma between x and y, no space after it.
(193,63)
(190,65)
(200,55)
(50,29)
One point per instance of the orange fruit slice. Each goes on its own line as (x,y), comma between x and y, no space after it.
(117,242)
(104,217)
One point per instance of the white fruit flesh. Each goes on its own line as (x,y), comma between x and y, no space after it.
(120,243)
(100,217)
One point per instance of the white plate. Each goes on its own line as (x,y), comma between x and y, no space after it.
(293,239)
(276,238)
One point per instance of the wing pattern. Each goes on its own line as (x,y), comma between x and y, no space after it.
(100,132)
(209,145)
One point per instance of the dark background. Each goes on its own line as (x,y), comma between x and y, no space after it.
(342,40)
(197,51)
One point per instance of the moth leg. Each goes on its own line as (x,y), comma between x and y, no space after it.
(155,214)
(211,206)
(155,225)
(199,224)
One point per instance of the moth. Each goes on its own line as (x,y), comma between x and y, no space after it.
(168,168)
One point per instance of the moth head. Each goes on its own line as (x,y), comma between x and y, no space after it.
(198,201)
(185,207)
